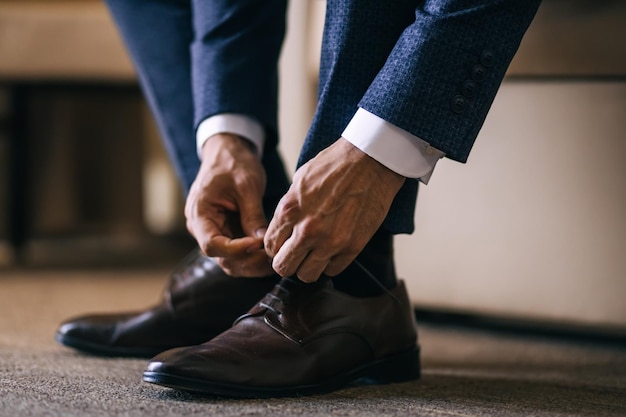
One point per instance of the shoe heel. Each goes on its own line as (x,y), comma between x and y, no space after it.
(398,368)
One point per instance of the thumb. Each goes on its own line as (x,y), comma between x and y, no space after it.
(253,220)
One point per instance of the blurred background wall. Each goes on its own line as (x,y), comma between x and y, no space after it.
(531,227)
(85,180)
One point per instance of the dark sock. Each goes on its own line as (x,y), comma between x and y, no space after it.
(377,259)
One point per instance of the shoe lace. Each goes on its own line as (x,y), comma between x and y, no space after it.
(376,281)
(271,303)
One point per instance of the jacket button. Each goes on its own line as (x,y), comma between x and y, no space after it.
(486,58)
(459,103)
(479,73)
(469,88)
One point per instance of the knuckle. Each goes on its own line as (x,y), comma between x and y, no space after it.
(269,245)
(332,270)
(208,248)
(227,266)
(280,269)
(339,241)
(269,249)
(282,272)
(311,229)
(335,268)
(287,207)
(305,277)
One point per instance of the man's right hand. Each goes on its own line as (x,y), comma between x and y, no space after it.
(224,207)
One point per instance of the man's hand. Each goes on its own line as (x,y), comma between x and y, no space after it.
(224,207)
(335,205)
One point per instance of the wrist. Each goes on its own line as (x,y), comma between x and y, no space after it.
(229,141)
(383,173)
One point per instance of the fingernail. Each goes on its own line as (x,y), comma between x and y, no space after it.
(260,232)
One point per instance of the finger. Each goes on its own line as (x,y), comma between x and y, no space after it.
(215,243)
(281,227)
(289,257)
(252,266)
(338,264)
(204,230)
(312,267)
(224,246)
(253,219)
(276,235)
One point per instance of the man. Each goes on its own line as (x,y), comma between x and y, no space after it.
(402,83)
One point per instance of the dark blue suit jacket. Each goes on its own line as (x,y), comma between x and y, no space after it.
(430,67)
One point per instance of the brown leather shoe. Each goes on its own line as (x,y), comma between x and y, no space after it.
(200,302)
(300,339)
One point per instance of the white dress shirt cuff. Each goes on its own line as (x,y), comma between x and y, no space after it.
(236,124)
(395,148)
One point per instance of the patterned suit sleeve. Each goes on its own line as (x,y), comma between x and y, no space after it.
(443,73)
(234,58)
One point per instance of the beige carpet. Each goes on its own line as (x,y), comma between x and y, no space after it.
(466,373)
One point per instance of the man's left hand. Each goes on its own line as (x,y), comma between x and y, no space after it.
(336,203)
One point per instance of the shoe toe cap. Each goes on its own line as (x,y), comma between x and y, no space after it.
(93,329)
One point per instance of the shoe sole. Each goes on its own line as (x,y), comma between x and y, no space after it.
(108,351)
(398,368)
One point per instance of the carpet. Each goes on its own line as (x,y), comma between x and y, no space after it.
(466,372)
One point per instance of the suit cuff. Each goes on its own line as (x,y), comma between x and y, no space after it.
(395,148)
(233,123)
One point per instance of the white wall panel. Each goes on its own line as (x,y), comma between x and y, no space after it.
(534,224)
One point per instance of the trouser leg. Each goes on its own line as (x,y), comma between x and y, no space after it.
(158,35)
